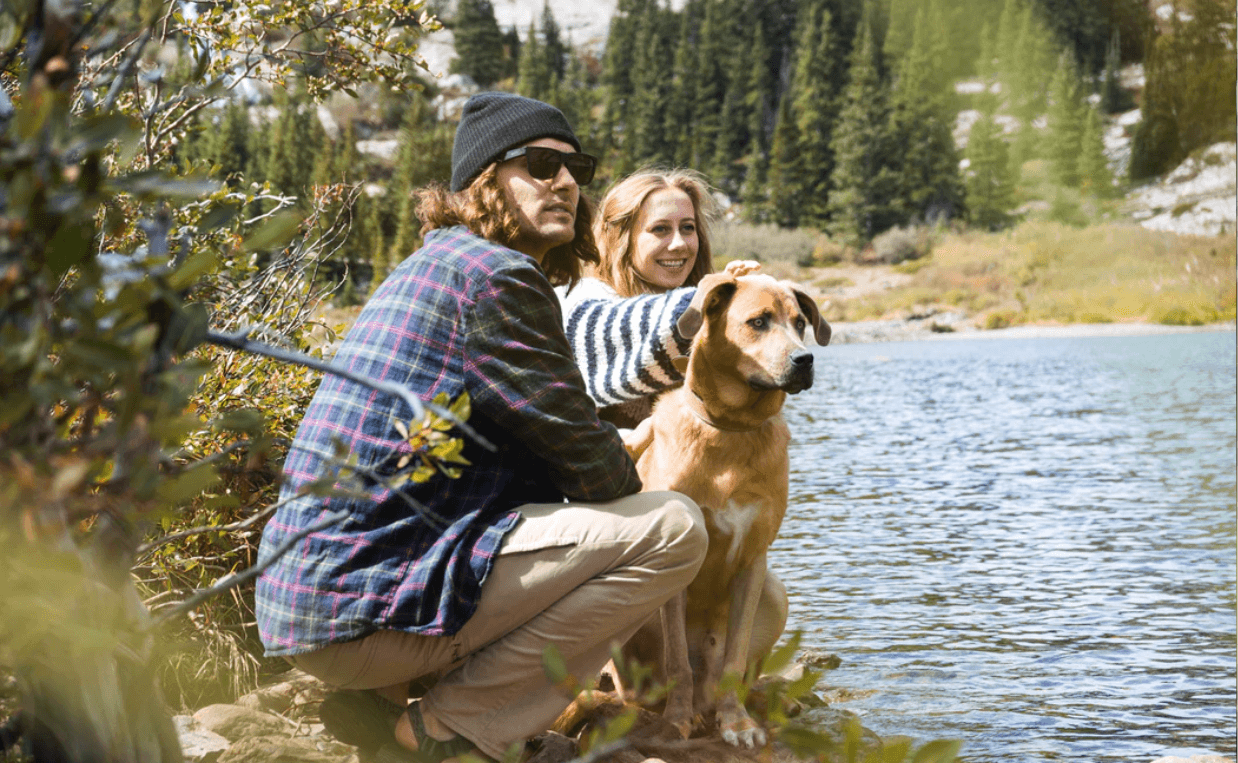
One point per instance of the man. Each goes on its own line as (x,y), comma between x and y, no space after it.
(544,540)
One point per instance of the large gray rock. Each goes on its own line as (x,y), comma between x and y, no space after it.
(296,695)
(198,744)
(278,748)
(234,722)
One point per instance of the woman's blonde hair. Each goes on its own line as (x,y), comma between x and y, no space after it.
(616,221)
(482,207)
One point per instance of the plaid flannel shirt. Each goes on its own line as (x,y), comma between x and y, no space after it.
(460,315)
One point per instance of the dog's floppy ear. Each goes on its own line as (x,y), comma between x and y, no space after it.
(713,292)
(821,329)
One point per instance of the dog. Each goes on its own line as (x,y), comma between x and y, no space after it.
(721,440)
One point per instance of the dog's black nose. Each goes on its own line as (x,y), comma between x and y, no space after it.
(802,359)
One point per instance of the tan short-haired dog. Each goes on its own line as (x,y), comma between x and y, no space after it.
(721,440)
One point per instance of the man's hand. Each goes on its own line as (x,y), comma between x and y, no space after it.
(639,439)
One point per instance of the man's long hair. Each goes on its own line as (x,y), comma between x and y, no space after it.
(482,207)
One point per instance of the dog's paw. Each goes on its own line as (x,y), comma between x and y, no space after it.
(751,738)
(680,717)
(739,730)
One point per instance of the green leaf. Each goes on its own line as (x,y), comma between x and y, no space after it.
(938,751)
(99,131)
(242,420)
(620,725)
(276,232)
(198,264)
(159,184)
(804,742)
(217,217)
(781,657)
(188,485)
(68,247)
(554,665)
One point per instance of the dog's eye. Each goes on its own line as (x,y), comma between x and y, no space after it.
(757,323)
(800,325)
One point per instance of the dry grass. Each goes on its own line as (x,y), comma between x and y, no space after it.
(1046,272)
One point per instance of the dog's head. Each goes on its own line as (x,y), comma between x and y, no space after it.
(758,325)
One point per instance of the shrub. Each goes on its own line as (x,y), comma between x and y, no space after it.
(764,243)
(899,244)
(828,251)
(1000,320)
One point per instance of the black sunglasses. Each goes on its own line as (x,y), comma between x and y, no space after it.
(544,163)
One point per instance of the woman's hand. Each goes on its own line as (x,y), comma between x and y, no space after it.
(737,268)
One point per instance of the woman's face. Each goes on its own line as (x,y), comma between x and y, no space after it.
(665,239)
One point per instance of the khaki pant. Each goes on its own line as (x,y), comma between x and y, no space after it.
(578,576)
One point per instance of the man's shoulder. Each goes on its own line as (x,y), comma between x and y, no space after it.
(458,248)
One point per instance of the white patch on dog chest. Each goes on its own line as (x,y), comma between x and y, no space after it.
(737,519)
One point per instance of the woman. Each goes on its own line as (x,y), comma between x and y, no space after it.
(653,239)
(653,246)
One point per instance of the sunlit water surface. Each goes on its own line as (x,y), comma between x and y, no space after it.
(1028,545)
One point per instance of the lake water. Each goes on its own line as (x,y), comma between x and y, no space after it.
(1025,544)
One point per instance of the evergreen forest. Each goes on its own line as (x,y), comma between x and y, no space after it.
(838,116)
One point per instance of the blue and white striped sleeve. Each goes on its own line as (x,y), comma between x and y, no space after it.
(625,347)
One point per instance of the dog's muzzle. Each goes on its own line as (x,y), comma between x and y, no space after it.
(799,372)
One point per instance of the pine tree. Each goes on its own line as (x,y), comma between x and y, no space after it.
(1031,62)
(1094,175)
(761,87)
(553,48)
(228,144)
(478,42)
(575,98)
(677,125)
(711,81)
(533,74)
(1114,98)
(989,179)
(726,165)
(1007,41)
(651,90)
(347,167)
(815,110)
(1189,97)
(1065,123)
(902,19)
(511,52)
(925,168)
(786,196)
(621,51)
(862,179)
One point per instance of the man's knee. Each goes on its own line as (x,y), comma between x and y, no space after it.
(684,527)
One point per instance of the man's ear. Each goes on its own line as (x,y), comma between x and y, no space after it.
(714,292)
(821,329)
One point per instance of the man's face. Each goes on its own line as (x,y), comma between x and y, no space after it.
(546,209)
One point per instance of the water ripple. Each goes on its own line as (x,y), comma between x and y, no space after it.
(1025,544)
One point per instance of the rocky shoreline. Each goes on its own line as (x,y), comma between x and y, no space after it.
(279,722)
(945,326)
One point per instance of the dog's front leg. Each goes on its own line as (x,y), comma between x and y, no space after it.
(733,720)
(677,665)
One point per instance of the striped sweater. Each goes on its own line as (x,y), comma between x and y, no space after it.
(624,347)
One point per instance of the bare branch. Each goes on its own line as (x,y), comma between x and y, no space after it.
(232,581)
(240,341)
(146,548)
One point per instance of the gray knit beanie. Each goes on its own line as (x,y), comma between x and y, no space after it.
(494,122)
